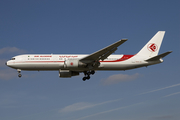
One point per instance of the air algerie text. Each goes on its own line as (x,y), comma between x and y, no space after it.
(68,56)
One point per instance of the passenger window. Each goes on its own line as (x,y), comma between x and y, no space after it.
(12,58)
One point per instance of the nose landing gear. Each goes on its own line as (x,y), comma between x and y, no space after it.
(19,73)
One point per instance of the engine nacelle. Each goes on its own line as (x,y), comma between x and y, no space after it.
(74,63)
(67,73)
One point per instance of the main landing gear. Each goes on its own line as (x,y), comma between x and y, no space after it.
(87,75)
(19,73)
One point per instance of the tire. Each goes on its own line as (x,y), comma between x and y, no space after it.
(19,75)
(84,78)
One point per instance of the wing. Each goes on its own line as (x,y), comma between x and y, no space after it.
(103,53)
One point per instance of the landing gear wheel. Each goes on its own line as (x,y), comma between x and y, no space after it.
(88,77)
(92,72)
(84,78)
(19,75)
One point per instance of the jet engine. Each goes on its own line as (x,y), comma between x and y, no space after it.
(74,63)
(67,73)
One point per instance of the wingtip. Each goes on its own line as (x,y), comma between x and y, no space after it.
(161,31)
(124,39)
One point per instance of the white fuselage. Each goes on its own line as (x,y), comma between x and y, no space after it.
(57,61)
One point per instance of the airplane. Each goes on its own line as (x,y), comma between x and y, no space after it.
(69,65)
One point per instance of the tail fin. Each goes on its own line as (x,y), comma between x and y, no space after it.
(151,49)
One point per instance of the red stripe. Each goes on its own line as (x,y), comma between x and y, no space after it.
(125,57)
(37,61)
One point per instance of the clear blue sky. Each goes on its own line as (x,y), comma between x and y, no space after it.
(83,27)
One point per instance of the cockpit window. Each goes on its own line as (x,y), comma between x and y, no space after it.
(12,58)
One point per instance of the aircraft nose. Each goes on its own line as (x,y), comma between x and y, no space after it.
(6,63)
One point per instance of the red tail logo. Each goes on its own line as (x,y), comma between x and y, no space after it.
(152,47)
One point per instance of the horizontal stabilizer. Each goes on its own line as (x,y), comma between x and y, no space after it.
(159,56)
